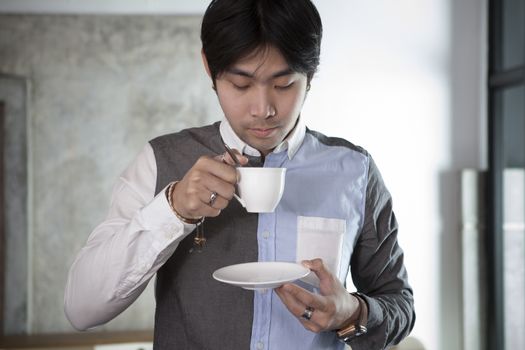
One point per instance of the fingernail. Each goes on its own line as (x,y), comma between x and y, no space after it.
(306,263)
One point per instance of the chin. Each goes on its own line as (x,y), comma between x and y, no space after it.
(263,145)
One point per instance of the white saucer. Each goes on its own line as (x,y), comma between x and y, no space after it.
(261,275)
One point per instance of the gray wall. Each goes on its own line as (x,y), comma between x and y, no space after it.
(14,94)
(100,88)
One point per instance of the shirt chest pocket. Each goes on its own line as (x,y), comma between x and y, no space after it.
(321,238)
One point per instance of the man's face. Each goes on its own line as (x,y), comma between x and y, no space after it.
(261,98)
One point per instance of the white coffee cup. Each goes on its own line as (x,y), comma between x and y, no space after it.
(260,189)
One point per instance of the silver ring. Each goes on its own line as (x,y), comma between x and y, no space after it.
(307,313)
(213,197)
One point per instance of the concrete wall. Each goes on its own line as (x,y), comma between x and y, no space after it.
(186,7)
(100,88)
(14,94)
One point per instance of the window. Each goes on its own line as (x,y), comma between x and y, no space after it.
(506,204)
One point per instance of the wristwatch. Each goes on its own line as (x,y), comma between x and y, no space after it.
(355,328)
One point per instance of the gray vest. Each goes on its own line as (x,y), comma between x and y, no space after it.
(193,311)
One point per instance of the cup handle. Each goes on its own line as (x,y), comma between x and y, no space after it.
(240,200)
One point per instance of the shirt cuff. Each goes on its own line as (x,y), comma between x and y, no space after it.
(375,312)
(163,231)
(158,215)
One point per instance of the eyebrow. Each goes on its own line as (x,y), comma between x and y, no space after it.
(244,73)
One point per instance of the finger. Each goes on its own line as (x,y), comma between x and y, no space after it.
(210,212)
(226,158)
(220,157)
(298,308)
(191,197)
(212,205)
(217,168)
(293,305)
(299,298)
(212,199)
(212,184)
(311,326)
(219,203)
(202,180)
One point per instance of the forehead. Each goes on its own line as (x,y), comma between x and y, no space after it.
(262,61)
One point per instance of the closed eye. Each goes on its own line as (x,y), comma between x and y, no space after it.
(241,87)
(284,87)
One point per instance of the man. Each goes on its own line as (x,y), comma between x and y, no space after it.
(261,56)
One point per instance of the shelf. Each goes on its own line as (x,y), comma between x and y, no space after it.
(80,339)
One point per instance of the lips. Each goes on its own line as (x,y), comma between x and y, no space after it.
(263,132)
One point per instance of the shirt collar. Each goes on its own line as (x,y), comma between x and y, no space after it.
(291,143)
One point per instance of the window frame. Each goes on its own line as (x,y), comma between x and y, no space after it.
(498,80)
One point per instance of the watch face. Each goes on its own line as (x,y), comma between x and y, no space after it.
(357,331)
(361,330)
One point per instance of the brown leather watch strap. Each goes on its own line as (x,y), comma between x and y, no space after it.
(355,328)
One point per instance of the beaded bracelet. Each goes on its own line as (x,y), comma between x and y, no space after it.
(169,193)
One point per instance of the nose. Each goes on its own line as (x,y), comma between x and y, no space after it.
(262,104)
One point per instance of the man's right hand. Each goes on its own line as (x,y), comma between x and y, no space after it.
(191,196)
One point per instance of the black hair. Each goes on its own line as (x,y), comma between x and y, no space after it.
(233,29)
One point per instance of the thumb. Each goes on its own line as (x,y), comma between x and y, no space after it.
(226,158)
(327,281)
(318,267)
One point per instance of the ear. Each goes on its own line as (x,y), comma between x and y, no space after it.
(205,62)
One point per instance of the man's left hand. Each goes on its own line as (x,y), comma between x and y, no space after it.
(331,309)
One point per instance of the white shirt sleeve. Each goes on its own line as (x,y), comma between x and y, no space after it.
(123,253)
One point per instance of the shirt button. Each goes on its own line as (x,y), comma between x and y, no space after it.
(266,234)
(260,345)
(263,291)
